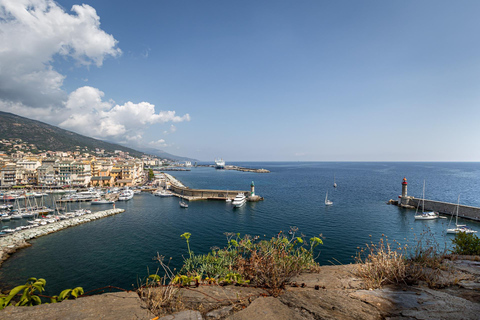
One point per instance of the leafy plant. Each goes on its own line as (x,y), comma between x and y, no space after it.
(466,243)
(65,294)
(268,263)
(28,298)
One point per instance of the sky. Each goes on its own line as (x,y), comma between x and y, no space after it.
(251,80)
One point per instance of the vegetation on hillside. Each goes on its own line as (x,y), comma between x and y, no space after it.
(47,137)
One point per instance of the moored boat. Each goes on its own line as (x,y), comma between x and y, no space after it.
(239,200)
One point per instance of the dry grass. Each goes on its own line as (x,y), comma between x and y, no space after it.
(380,264)
(160,294)
(391,263)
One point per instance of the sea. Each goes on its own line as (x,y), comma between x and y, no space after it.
(120,250)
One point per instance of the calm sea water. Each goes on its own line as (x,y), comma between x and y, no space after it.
(119,250)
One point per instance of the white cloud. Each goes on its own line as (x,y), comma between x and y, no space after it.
(32,32)
(161,143)
(35,32)
(90,115)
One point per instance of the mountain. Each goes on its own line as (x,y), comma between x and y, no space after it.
(48,137)
(164,155)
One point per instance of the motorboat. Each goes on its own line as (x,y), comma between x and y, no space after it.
(162,193)
(126,195)
(102,201)
(239,200)
(183,204)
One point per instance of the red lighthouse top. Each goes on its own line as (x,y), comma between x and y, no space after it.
(404,181)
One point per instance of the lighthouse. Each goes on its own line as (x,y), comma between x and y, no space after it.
(252,190)
(404,191)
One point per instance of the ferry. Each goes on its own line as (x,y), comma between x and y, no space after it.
(219,164)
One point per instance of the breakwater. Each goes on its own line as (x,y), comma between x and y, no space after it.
(14,241)
(467,212)
(181,191)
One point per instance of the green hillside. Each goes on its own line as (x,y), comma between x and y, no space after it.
(47,137)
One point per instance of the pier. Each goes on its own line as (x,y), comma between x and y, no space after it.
(446,208)
(181,191)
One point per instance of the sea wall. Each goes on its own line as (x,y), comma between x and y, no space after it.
(17,240)
(466,212)
(200,194)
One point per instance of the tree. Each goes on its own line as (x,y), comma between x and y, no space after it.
(151,175)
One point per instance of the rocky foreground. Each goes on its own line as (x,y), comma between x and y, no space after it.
(332,293)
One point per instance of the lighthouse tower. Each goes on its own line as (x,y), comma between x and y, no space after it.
(404,191)
(252,190)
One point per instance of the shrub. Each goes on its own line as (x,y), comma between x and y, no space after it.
(267,263)
(466,243)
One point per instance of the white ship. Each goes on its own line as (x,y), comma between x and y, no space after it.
(219,164)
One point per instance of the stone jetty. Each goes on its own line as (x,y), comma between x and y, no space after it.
(17,240)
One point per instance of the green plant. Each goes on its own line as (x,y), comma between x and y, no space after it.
(28,298)
(268,263)
(186,236)
(65,294)
(466,243)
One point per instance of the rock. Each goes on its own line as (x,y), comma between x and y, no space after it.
(114,306)
(219,313)
(329,304)
(184,315)
(267,308)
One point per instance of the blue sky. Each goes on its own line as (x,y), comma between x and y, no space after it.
(257,80)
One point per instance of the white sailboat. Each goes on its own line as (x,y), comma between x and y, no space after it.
(425,215)
(328,202)
(459,227)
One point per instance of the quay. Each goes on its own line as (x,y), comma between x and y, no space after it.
(12,242)
(446,208)
(181,191)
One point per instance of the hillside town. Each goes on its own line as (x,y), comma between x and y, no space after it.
(22,164)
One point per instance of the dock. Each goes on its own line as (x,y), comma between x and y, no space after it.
(181,191)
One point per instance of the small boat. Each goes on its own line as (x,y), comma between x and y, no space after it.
(459,227)
(183,204)
(126,195)
(239,200)
(163,193)
(228,199)
(327,202)
(101,201)
(425,215)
